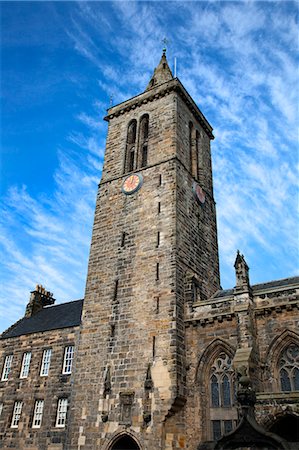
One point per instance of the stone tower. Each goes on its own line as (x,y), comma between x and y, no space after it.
(153,253)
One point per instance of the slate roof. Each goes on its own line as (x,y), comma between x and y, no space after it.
(261,286)
(64,315)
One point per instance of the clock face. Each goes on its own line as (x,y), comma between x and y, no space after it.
(199,194)
(132,183)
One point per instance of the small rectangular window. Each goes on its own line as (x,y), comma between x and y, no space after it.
(216,429)
(38,414)
(61,412)
(158,238)
(1,408)
(160,180)
(16,415)
(228,426)
(6,367)
(157,272)
(68,359)
(25,365)
(159,207)
(157,305)
(45,367)
(115,290)
(123,239)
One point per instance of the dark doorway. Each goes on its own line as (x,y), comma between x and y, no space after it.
(125,443)
(287,427)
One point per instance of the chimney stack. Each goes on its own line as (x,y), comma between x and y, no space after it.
(39,298)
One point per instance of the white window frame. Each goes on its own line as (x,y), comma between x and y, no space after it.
(68,360)
(38,413)
(46,361)
(16,415)
(25,365)
(1,408)
(62,406)
(6,367)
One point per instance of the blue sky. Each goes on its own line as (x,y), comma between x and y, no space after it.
(61,63)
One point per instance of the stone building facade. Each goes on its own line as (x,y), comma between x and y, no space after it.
(151,359)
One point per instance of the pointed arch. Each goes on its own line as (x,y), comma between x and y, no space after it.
(209,354)
(143,141)
(130,156)
(125,440)
(281,363)
(215,381)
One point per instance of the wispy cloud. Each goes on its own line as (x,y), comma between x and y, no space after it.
(238,61)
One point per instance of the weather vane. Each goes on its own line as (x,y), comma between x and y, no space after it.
(165,42)
(111,100)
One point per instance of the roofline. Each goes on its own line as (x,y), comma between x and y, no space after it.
(257,291)
(156,92)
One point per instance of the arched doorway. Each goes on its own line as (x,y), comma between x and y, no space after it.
(125,443)
(287,427)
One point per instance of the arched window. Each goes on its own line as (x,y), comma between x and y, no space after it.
(190,146)
(130,147)
(223,413)
(143,140)
(289,368)
(199,168)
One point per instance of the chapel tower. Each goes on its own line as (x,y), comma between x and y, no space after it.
(153,253)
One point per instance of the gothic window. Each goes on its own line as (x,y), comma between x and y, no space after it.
(223,413)
(143,139)
(289,368)
(190,146)
(130,147)
(198,155)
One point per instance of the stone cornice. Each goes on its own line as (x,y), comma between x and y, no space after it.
(229,311)
(166,88)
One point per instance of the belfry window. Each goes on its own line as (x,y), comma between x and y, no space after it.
(143,140)
(197,154)
(190,146)
(130,147)
(289,368)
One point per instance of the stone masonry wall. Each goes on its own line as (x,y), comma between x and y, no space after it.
(35,387)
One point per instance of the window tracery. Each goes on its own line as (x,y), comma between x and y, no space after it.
(289,368)
(221,379)
(223,413)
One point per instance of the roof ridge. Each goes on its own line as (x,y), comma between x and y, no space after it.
(63,303)
(276,281)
